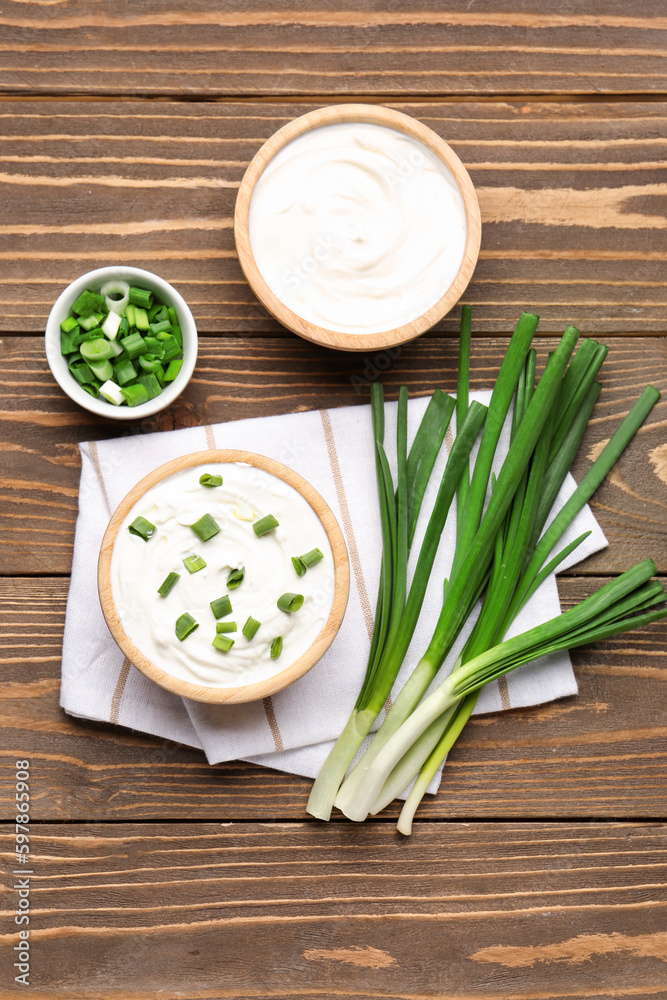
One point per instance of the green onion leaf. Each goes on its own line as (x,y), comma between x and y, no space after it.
(276,647)
(140,297)
(168,584)
(135,394)
(250,628)
(206,527)
(209,480)
(311,558)
(143,528)
(235,578)
(185,625)
(225,627)
(88,302)
(264,525)
(194,563)
(290,602)
(221,606)
(299,565)
(223,643)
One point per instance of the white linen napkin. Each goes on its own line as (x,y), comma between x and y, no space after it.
(293,730)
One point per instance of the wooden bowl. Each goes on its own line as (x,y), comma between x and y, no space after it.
(248,692)
(373,115)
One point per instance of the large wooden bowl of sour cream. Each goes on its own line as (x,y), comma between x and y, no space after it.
(357,227)
(132,569)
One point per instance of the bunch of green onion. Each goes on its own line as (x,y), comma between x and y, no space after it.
(503,553)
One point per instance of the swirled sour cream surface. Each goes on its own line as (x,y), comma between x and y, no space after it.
(139,567)
(357,227)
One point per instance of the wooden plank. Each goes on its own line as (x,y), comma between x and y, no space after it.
(571,198)
(208,49)
(239,377)
(600,754)
(290,911)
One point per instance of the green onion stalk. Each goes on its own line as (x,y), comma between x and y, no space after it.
(502,605)
(620,605)
(397,612)
(478,535)
(505,548)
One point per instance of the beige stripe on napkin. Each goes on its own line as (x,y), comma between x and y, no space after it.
(347,522)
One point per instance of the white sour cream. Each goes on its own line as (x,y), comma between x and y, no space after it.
(138,568)
(357,228)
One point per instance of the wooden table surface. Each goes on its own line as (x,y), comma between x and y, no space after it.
(538,872)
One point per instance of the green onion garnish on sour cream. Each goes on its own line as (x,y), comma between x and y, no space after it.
(143,528)
(185,626)
(264,525)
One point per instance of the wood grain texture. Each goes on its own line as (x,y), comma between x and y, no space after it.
(206,48)
(293,911)
(241,377)
(572,199)
(601,754)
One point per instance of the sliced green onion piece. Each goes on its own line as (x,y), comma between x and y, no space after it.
(140,297)
(311,558)
(116,295)
(142,527)
(290,602)
(151,385)
(223,643)
(135,394)
(185,625)
(96,350)
(103,370)
(160,327)
(80,370)
(134,345)
(111,325)
(250,628)
(221,606)
(168,584)
(225,627)
(173,370)
(149,362)
(299,565)
(141,319)
(276,647)
(124,371)
(89,322)
(170,348)
(206,479)
(69,324)
(194,563)
(264,525)
(88,302)
(235,578)
(111,392)
(68,342)
(206,527)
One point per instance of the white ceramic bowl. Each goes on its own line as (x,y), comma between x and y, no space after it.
(58,363)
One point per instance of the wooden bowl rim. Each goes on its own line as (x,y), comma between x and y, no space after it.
(374,115)
(249,692)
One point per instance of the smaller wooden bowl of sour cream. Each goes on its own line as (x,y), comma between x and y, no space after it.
(226,574)
(357,227)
